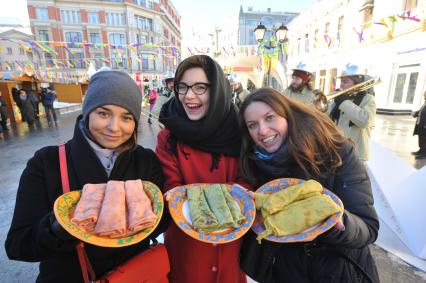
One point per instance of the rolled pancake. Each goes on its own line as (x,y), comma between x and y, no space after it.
(277,201)
(233,207)
(299,216)
(88,207)
(138,207)
(217,203)
(112,218)
(202,217)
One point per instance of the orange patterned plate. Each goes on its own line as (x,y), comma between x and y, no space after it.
(178,206)
(64,209)
(310,233)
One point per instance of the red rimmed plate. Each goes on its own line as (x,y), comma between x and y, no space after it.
(64,210)
(308,234)
(178,206)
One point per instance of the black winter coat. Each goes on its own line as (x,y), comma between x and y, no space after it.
(420,127)
(30,238)
(291,262)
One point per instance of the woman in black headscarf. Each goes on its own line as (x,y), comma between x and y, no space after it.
(200,144)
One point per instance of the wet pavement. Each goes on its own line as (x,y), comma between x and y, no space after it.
(20,143)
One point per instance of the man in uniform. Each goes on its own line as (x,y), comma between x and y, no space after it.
(301,86)
(354,112)
(238,92)
(165,95)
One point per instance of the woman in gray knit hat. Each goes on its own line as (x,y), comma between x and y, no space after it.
(103,147)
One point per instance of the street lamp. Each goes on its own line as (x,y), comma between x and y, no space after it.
(268,45)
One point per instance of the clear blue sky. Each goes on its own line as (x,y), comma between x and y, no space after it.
(202,13)
(209,13)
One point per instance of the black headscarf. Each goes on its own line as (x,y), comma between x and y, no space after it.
(218,131)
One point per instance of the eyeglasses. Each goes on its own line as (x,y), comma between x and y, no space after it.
(197,88)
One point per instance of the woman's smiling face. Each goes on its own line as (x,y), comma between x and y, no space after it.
(195,105)
(266,128)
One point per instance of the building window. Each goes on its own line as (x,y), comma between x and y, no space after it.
(322,75)
(21,51)
(410,5)
(332,83)
(73,36)
(95,37)
(141,39)
(143,23)
(71,16)
(77,59)
(140,2)
(340,29)
(99,59)
(307,43)
(315,38)
(117,38)
(94,18)
(9,51)
(115,19)
(42,14)
(43,35)
(298,46)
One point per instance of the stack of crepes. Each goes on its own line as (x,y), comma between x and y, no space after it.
(213,208)
(294,209)
(114,210)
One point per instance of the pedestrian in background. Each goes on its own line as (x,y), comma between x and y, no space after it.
(104,147)
(301,87)
(35,101)
(420,130)
(48,97)
(27,108)
(165,95)
(16,98)
(152,99)
(282,138)
(238,92)
(354,112)
(200,144)
(3,113)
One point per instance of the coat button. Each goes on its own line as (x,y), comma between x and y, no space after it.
(214,245)
(214,268)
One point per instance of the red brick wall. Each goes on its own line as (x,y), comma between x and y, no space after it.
(31,12)
(84,18)
(102,17)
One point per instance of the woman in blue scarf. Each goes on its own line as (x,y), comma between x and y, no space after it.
(282,138)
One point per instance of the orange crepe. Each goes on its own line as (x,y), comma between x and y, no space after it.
(139,207)
(89,206)
(112,218)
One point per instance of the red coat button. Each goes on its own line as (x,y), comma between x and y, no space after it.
(214,245)
(214,268)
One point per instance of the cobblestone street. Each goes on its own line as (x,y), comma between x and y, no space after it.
(393,132)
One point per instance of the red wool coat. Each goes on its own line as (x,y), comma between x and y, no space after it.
(192,260)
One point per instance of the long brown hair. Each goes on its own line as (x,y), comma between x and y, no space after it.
(313,139)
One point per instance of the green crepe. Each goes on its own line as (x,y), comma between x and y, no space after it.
(202,217)
(234,208)
(299,216)
(217,202)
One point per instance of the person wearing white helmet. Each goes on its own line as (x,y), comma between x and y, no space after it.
(301,87)
(354,112)
(165,95)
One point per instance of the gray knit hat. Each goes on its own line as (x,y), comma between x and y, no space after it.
(113,87)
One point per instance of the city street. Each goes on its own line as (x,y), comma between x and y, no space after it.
(393,132)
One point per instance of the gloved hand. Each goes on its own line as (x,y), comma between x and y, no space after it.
(58,231)
(339,99)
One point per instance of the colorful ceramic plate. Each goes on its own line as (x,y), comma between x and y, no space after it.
(178,206)
(64,209)
(305,236)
